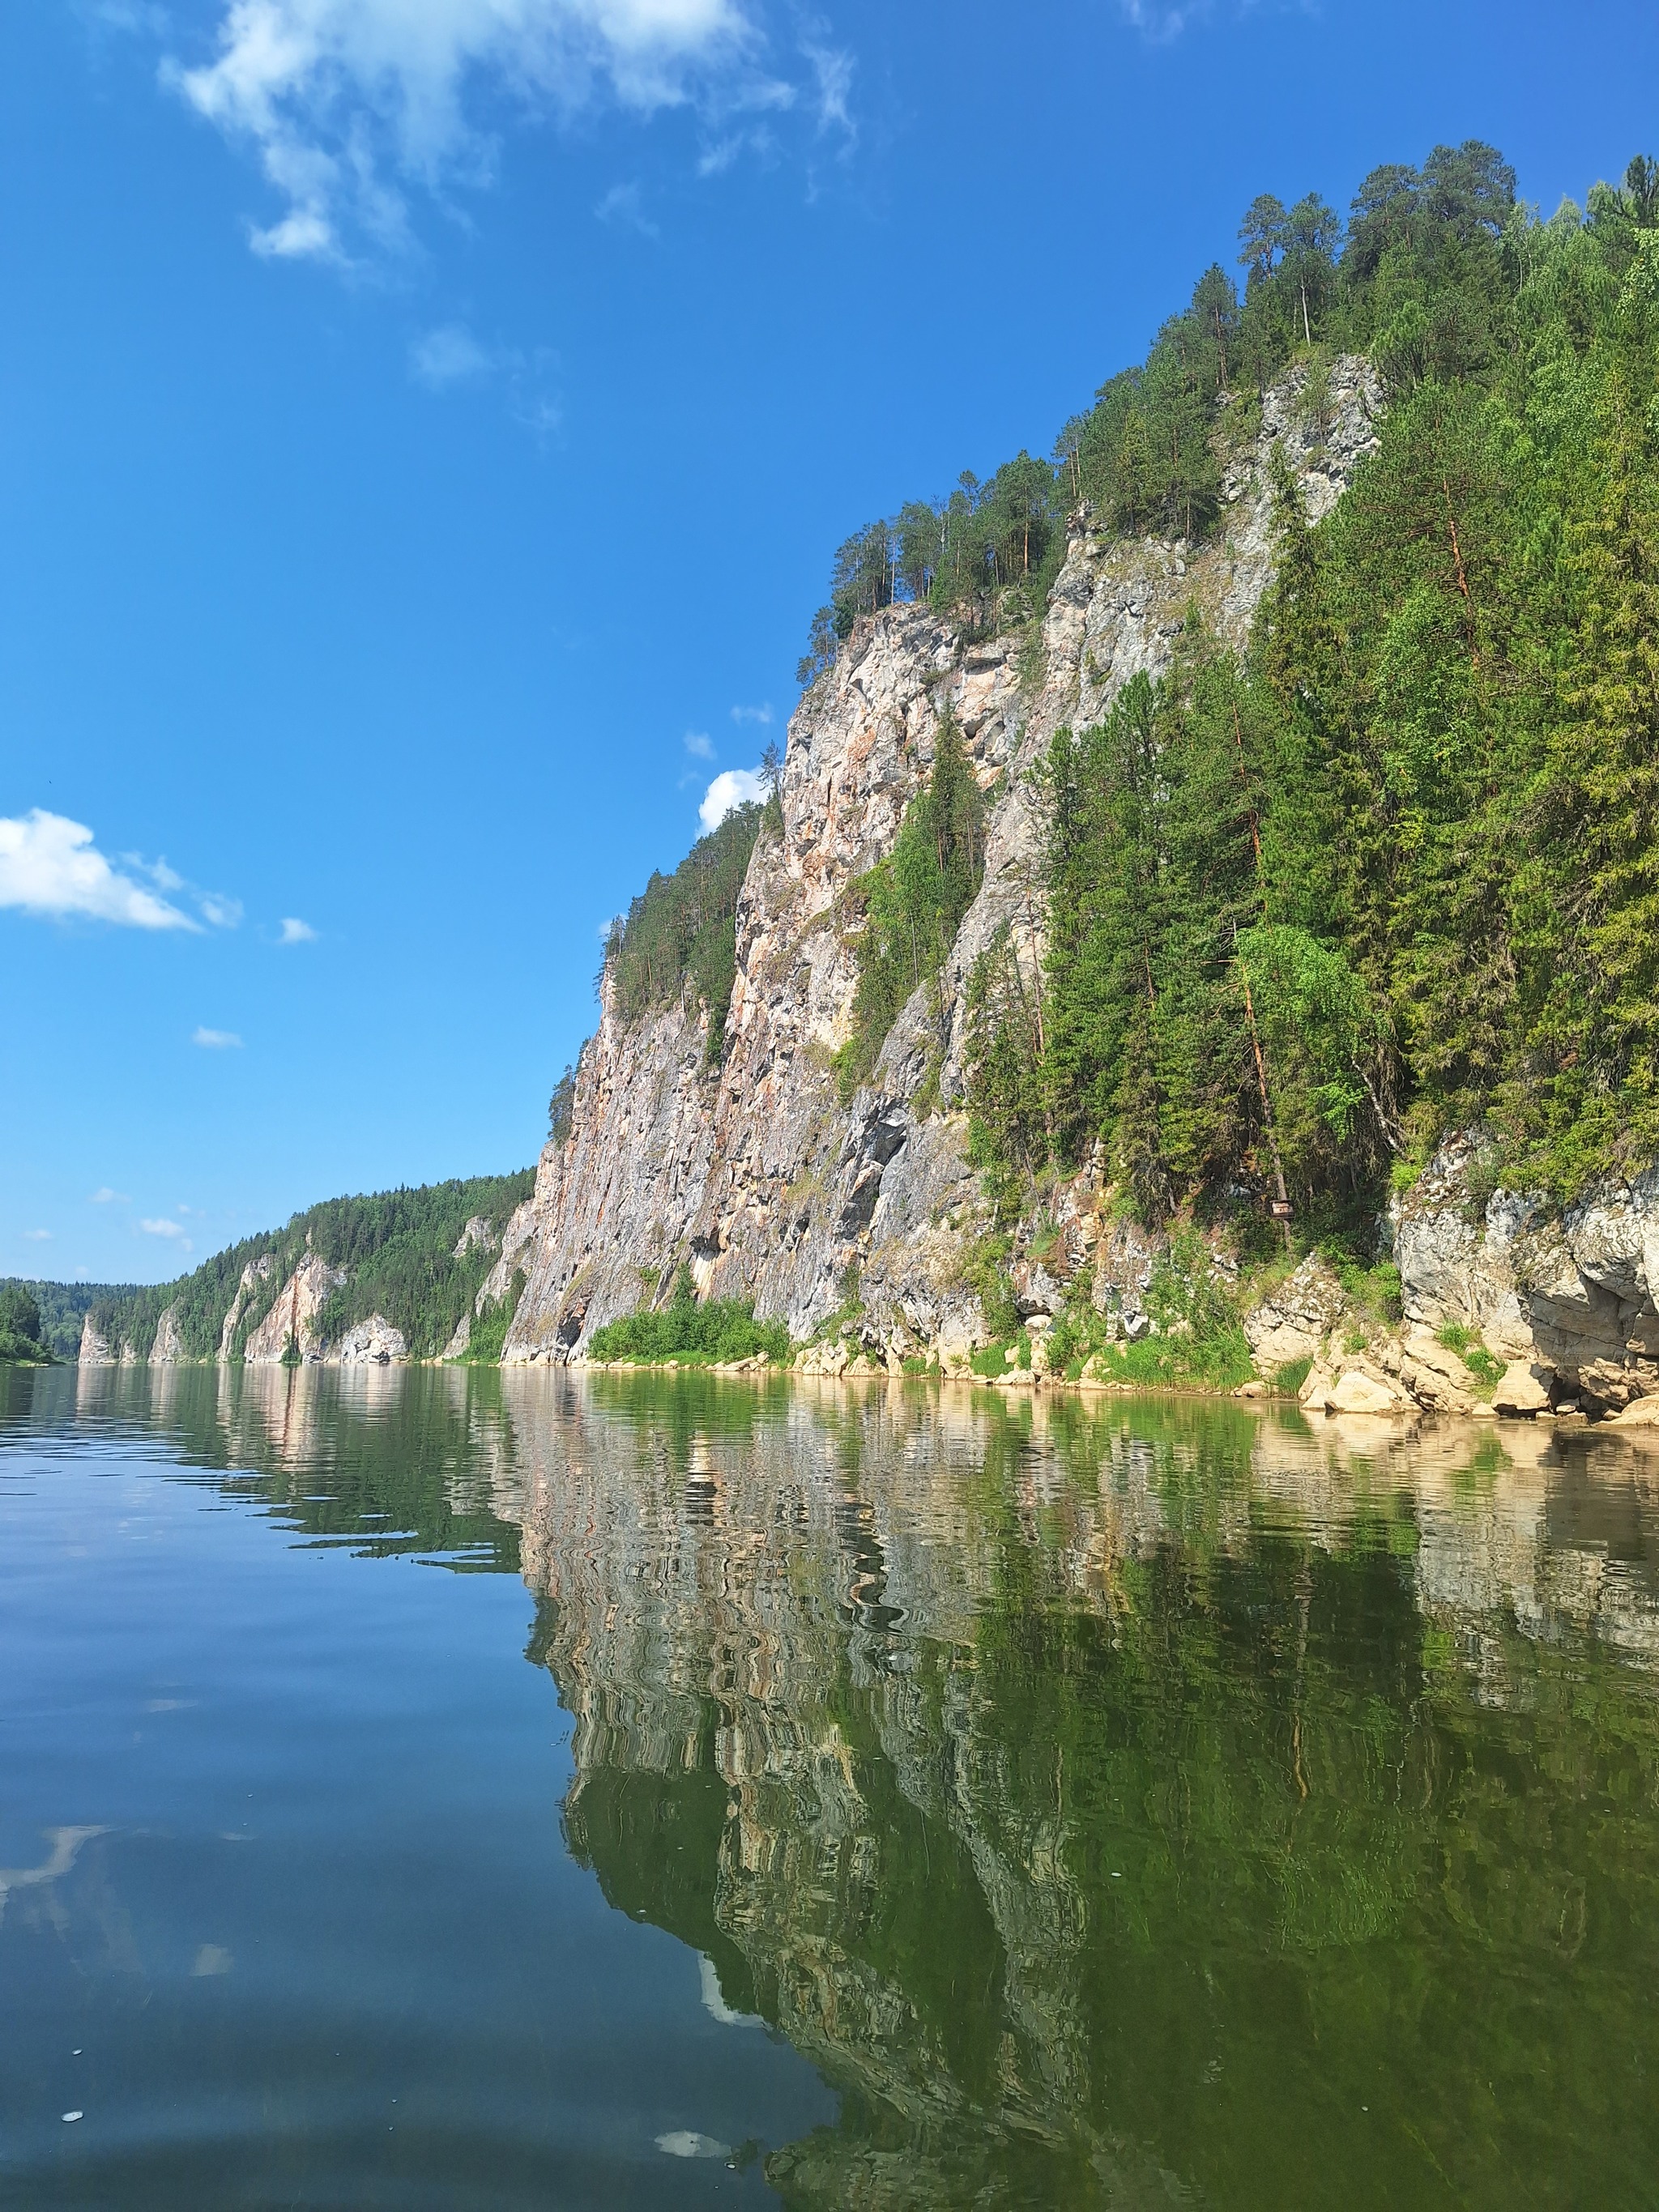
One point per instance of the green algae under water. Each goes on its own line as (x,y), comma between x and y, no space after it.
(447,1789)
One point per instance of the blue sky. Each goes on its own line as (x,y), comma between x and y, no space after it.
(424,429)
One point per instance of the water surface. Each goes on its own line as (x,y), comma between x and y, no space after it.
(441,1788)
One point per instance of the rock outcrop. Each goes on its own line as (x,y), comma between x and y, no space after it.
(96,1350)
(168,1348)
(372,1342)
(293,1317)
(757,1174)
(255,1272)
(1508,1305)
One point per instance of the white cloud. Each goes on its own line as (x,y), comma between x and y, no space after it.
(164,877)
(162,1228)
(732,787)
(217,1040)
(762,714)
(449,355)
(38,1236)
(223,913)
(622,205)
(832,70)
(700,745)
(347,102)
(105,1197)
(49,865)
(1157,19)
(295,932)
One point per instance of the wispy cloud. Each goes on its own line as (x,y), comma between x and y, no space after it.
(623,207)
(450,355)
(762,714)
(1160,21)
(295,932)
(216,1040)
(217,909)
(172,1232)
(832,73)
(38,1236)
(700,745)
(348,104)
(732,788)
(49,865)
(105,1197)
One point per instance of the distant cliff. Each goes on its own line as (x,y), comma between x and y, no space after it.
(372,1279)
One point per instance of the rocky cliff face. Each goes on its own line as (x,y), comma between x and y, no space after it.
(1558,1310)
(294,1316)
(758,1176)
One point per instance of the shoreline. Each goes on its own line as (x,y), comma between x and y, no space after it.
(1638,1425)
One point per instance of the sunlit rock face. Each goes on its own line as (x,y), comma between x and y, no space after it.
(988,1751)
(757,1173)
(1571,1299)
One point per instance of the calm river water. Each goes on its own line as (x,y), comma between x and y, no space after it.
(452,1789)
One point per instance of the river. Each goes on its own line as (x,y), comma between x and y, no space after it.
(443,1788)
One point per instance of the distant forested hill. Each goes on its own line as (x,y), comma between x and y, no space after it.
(398,1249)
(60,1309)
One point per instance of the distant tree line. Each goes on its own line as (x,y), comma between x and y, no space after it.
(1411,277)
(397,1246)
(22,1335)
(60,1310)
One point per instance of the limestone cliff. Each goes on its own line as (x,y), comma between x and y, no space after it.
(758,1176)
(1565,1302)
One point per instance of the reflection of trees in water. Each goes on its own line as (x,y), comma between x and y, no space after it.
(1115,1802)
(388,1460)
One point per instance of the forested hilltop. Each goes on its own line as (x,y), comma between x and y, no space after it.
(414,1259)
(1394,869)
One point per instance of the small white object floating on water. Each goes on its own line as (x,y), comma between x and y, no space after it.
(686,2143)
(75,2116)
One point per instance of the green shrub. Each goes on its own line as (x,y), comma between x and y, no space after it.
(690,1334)
(910,904)
(488,1338)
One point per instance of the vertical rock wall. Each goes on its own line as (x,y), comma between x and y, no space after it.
(755,1173)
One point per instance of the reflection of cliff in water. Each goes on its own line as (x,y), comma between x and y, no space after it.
(1114,1804)
(385,1460)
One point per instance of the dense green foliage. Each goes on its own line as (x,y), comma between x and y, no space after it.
(397,1248)
(1396,871)
(22,1331)
(1419,280)
(487,1335)
(63,1307)
(908,909)
(693,1334)
(681,931)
